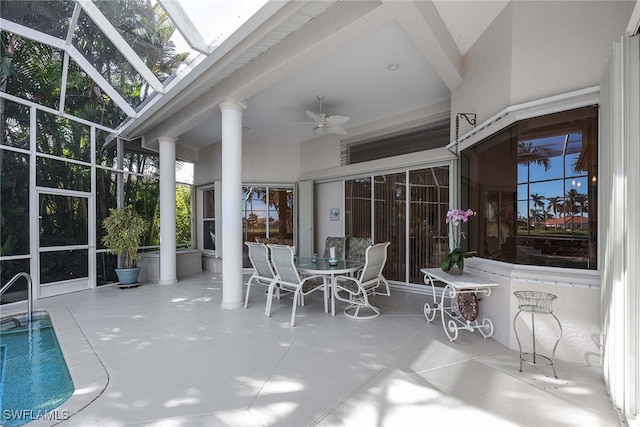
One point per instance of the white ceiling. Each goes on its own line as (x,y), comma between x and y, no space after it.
(355,82)
(354,79)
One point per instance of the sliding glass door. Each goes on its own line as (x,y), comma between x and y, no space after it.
(407,209)
(390,224)
(428,205)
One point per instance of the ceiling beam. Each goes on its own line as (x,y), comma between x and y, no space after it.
(422,22)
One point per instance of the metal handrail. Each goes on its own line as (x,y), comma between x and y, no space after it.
(29,291)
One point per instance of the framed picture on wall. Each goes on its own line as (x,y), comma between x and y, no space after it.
(334,214)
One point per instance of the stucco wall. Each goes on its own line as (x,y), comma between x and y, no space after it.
(327,195)
(534,50)
(268,162)
(558,47)
(577,308)
(486,88)
(209,165)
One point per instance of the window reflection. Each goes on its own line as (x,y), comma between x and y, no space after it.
(539,209)
(209,220)
(267,215)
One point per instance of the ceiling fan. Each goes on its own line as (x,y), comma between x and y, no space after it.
(325,124)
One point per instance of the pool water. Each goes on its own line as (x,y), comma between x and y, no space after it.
(34,378)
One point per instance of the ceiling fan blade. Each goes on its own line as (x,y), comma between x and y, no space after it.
(315,116)
(336,129)
(337,120)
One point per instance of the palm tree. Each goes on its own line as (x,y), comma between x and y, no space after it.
(528,153)
(571,205)
(31,70)
(582,204)
(538,202)
(554,204)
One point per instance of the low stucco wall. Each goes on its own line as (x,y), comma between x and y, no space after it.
(577,308)
(188,261)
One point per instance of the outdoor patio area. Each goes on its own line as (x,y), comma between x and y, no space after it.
(171,356)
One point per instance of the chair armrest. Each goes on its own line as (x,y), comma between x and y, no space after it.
(315,276)
(355,282)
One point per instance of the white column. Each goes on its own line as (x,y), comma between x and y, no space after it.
(232,203)
(167,211)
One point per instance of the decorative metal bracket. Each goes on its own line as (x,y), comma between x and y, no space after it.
(471,119)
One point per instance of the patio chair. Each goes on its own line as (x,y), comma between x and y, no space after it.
(288,278)
(267,240)
(358,247)
(356,290)
(339,243)
(263,270)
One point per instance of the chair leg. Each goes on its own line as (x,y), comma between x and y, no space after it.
(333,296)
(246,298)
(360,302)
(326,294)
(295,304)
(386,285)
(267,310)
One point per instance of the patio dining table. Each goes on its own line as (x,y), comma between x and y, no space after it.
(306,266)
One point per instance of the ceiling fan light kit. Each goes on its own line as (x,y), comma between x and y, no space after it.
(325,124)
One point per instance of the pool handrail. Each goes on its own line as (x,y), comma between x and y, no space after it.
(29,291)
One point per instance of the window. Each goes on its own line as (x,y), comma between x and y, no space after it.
(534,186)
(209,219)
(434,135)
(267,212)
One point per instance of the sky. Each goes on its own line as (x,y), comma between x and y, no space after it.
(216,19)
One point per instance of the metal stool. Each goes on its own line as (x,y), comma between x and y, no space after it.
(536,302)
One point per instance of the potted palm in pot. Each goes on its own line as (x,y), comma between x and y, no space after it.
(123,228)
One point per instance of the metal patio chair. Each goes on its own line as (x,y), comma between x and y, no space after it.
(263,270)
(288,278)
(356,290)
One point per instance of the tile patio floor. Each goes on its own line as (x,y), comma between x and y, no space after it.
(170,356)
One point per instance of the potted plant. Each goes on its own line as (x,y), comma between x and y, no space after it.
(453,262)
(123,228)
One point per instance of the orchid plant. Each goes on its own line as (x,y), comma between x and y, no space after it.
(455,219)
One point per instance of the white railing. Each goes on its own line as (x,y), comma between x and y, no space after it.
(29,291)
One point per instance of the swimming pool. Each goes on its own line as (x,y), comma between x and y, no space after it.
(34,378)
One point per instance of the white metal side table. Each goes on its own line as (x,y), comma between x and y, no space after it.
(463,308)
(536,302)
